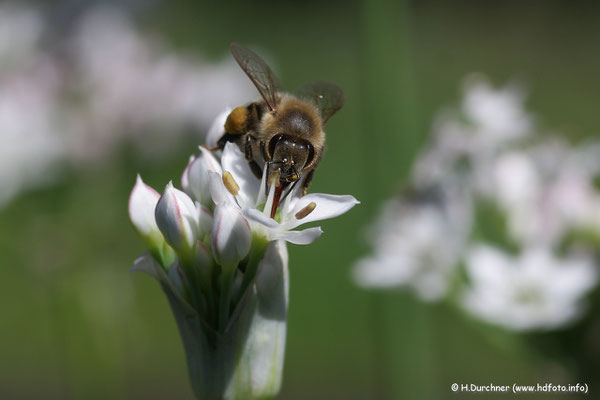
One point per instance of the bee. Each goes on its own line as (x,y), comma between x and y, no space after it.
(282,130)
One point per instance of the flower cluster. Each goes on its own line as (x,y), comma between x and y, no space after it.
(517,209)
(222,262)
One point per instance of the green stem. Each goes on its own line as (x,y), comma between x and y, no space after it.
(206,283)
(190,283)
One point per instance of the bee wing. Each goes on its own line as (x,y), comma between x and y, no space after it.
(328,97)
(259,73)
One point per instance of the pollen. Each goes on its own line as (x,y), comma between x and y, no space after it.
(230,183)
(306,210)
(236,120)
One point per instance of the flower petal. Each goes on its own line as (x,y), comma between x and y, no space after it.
(233,160)
(327,206)
(306,236)
(255,216)
(217,129)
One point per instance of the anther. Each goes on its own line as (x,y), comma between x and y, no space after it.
(230,183)
(306,210)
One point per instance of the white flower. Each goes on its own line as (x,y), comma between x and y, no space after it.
(498,114)
(514,180)
(545,191)
(20,32)
(294,210)
(177,218)
(145,85)
(417,243)
(145,89)
(31,127)
(465,142)
(534,290)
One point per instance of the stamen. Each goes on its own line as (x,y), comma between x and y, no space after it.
(274,178)
(230,183)
(306,210)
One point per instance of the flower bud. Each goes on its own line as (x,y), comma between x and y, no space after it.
(197,176)
(231,235)
(142,203)
(177,218)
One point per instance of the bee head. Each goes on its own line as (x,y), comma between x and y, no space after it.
(290,155)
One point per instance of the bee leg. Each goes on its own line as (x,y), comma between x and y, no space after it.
(227,137)
(307,181)
(212,148)
(248,148)
(256,169)
(263,150)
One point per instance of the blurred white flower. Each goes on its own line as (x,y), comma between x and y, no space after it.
(20,32)
(534,290)
(545,191)
(30,125)
(498,114)
(133,84)
(465,141)
(491,151)
(514,179)
(417,243)
(76,101)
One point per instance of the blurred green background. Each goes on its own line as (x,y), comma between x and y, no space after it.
(77,325)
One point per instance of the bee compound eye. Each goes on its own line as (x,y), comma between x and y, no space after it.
(273,142)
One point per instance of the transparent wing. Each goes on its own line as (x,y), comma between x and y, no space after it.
(328,97)
(259,73)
